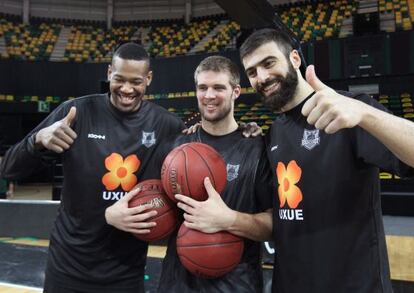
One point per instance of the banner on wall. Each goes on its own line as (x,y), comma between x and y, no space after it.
(43,107)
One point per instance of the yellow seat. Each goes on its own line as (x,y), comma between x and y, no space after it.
(385,175)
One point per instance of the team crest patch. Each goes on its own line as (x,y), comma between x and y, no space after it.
(148,138)
(232,172)
(310,138)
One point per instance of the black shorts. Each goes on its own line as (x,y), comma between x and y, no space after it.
(51,286)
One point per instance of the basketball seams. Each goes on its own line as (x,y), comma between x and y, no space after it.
(169,208)
(159,217)
(167,232)
(153,192)
(221,244)
(168,170)
(183,233)
(186,166)
(187,191)
(205,163)
(148,193)
(214,270)
(192,248)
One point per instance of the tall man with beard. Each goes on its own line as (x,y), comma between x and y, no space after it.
(106,142)
(325,148)
(247,197)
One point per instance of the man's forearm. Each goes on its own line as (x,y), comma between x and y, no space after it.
(396,133)
(256,227)
(20,160)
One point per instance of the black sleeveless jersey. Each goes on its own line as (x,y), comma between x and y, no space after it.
(112,153)
(328,229)
(249,190)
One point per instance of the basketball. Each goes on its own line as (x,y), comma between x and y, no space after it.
(185,168)
(166,219)
(208,255)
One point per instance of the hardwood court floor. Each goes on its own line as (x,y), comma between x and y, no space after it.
(23,261)
(153,250)
(33,191)
(401,257)
(399,230)
(9,288)
(400,251)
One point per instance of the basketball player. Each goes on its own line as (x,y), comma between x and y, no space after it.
(248,190)
(325,149)
(106,143)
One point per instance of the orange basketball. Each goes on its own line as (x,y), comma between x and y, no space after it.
(186,166)
(208,255)
(166,218)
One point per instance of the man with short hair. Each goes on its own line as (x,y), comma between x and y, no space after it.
(243,205)
(325,148)
(107,142)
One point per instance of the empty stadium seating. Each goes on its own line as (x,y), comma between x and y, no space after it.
(177,39)
(400,104)
(317,20)
(402,10)
(88,43)
(26,42)
(92,42)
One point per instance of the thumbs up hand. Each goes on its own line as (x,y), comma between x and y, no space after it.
(59,136)
(70,117)
(328,110)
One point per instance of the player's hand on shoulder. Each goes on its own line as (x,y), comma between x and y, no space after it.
(250,129)
(192,129)
(327,110)
(59,136)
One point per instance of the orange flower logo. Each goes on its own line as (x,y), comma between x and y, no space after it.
(121,172)
(287,178)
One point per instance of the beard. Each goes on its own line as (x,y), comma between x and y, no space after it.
(287,88)
(222,114)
